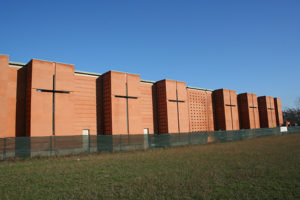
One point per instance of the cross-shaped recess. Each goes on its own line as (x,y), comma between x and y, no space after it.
(253,107)
(126,97)
(231,106)
(53,91)
(271,114)
(177,101)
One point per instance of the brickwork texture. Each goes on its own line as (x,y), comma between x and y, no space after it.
(44,98)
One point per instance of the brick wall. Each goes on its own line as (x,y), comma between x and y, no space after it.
(39,114)
(147,116)
(3,94)
(119,103)
(226,110)
(172,105)
(200,110)
(248,111)
(85,104)
(278,112)
(266,112)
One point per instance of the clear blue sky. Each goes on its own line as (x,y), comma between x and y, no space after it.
(249,46)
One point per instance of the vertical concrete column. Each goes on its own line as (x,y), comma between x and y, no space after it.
(4,61)
(172,107)
(266,112)
(278,111)
(226,110)
(248,110)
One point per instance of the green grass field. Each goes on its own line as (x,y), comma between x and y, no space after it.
(262,168)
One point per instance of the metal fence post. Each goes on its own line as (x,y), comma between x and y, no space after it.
(89,142)
(50,145)
(53,144)
(120,142)
(149,141)
(4,148)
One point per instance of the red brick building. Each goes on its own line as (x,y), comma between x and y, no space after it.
(248,111)
(278,112)
(267,113)
(43,98)
(226,110)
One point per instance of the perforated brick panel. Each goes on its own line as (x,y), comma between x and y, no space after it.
(200,110)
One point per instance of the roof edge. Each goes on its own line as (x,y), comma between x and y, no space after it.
(197,88)
(98,74)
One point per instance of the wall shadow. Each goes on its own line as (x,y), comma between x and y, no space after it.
(99,106)
(21,102)
(155,109)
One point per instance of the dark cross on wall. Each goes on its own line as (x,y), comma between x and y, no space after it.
(177,101)
(253,107)
(253,110)
(126,97)
(271,114)
(231,106)
(53,91)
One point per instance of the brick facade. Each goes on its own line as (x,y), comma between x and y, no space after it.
(172,108)
(200,110)
(44,98)
(226,110)
(50,113)
(248,111)
(267,114)
(4,132)
(278,112)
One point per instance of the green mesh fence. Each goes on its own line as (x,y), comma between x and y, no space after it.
(67,145)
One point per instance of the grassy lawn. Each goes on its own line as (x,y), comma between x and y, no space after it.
(262,168)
